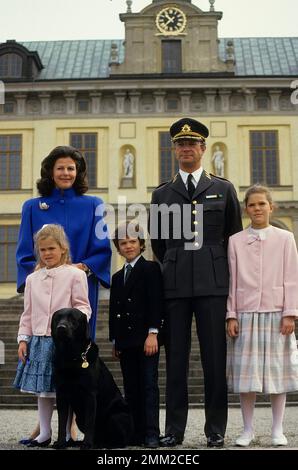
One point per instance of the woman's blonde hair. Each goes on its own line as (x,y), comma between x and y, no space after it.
(56,232)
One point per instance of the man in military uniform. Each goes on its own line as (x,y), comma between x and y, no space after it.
(196,279)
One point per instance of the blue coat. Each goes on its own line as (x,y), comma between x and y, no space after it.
(77,216)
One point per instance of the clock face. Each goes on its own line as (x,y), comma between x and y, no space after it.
(171,21)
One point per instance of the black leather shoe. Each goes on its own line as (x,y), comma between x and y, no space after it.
(25,441)
(35,443)
(215,440)
(169,440)
(72,443)
(151,442)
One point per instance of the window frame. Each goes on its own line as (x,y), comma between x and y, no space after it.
(169,56)
(166,176)
(8,152)
(10,65)
(263,148)
(5,265)
(83,150)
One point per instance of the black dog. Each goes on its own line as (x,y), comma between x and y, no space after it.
(84,383)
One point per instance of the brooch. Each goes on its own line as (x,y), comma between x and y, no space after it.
(43,206)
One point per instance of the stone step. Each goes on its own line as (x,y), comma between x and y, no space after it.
(10,312)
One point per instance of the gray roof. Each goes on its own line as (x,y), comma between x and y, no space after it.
(264,56)
(89,59)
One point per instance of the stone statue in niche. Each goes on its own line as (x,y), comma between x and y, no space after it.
(128,164)
(218,162)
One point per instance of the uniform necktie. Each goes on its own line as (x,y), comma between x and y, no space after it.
(128,270)
(190,186)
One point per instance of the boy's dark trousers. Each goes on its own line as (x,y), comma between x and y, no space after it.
(140,379)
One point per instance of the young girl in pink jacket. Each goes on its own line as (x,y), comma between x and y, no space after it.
(55,284)
(261,312)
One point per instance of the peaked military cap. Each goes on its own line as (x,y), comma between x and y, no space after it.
(187,128)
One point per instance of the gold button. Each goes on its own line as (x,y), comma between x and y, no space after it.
(195,202)
(196,244)
(196,234)
(194,212)
(195,222)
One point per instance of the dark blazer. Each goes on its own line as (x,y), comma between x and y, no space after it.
(204,271)
(136,305)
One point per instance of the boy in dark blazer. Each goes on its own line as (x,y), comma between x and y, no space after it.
(136,307)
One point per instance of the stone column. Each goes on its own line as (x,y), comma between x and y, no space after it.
(159,96)
(21,103)
(210,97)
(95,101)
(225,100)
(45,103)
(274,96)
(70,97)
(250,100)
(185,101)
(120,102)
(134,101)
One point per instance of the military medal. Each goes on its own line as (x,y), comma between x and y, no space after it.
(85,364)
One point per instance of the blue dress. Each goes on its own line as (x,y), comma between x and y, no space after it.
(81,218)
(36,375)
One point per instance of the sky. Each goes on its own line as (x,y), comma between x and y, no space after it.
(36,20)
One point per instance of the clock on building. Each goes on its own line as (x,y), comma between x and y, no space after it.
(171,21)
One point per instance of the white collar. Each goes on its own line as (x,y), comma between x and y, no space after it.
(196,175)
(133,262)
(261,232)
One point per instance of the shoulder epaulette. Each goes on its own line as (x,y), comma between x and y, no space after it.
(161,184)
(207,174)
(219,177)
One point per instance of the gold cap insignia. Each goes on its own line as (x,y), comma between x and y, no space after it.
(185,129)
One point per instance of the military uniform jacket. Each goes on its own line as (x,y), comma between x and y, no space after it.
(136,305)
(203,271)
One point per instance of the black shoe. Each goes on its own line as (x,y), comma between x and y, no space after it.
(215,440)
(72,443)
(151,442)
(170,440)
(25,441)
(35,443)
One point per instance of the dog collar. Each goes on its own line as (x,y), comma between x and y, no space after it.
(85,363)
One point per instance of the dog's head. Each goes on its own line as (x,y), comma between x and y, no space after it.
(70,325)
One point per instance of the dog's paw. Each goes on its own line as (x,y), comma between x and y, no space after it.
(85,445)
(59,445)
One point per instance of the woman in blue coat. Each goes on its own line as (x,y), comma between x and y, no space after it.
(62,201)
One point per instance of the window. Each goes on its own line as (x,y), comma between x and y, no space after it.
(87,144)
(10,161)
(172,104)
(8,243)
(8,107)
(171,57)
(168,164)
(83,106)
(10,66)
(264,157)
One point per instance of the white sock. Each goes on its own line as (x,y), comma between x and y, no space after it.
(278,403)
(247,401)
(45,411)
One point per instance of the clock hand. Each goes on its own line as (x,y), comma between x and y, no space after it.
(170,20)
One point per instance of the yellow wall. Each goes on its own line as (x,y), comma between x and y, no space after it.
(141,134)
